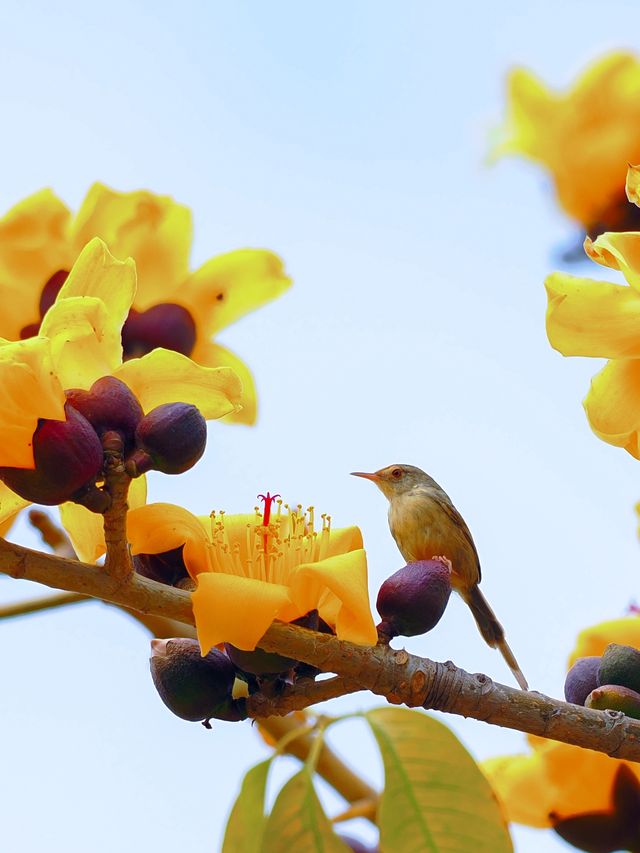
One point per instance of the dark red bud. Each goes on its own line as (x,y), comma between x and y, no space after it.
(108,406)
(170,438)
(413,599)
(165,325)
(194,687)
(68,457)
(30,331)
(581,679)
(168,567)
(51,290)
(259,662)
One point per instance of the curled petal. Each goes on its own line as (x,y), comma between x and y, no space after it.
(164,376)
(594,640)
(592,318)
(619,251)
(152,229)
(344,539)
(229,286)
(237,610)
(10,505)
(160,527)
(613,404)
(86,529)
(29,390)
(344,575)
(213,355)
(97,273)
(632,185)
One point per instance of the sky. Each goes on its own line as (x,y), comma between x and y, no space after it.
(352,139)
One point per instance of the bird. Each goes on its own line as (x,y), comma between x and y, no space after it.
(425,525)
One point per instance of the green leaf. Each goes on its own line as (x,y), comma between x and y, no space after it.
(245,827)
(298,822)
(435,795)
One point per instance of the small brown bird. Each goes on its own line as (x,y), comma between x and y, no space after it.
(425,524)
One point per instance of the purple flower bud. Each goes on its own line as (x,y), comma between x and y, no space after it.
(168,567)
(581,679)
(170,438)
(108,405)
(68,458)
(357,846)
(413,599)
(51,289)
(194,687)
(165,325)
(258,662)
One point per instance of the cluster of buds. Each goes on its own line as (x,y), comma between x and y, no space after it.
(610,682)
(69,454)
(413,600)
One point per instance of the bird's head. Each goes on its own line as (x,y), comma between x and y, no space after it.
(396,479)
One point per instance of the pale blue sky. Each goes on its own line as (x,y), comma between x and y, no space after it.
(350,138)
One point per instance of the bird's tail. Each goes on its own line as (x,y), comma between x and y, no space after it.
(492,631)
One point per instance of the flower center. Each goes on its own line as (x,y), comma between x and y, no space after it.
(273,544)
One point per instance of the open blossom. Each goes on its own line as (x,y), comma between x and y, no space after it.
(252,569)
(600,319)
(583,137)
(173,308)
(562,786)
(79,343)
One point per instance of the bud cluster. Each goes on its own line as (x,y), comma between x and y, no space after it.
(610,682)
(69,458)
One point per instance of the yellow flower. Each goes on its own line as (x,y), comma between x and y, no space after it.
(600,319)
(556,781)
(173,308)
(79,342)
(584,137)
(252,569)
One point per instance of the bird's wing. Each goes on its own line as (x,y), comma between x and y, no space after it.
(465,533)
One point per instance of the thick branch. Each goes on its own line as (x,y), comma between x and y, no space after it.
(396,675)
(298,696)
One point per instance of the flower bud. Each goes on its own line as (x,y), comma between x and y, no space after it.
(170,438)
(168,567)
(259,662)
(67,456)
(614,697)
(356,845)
(194,687)
(108,405)
(620,665)
(413,599)
(581,679)
(165,325)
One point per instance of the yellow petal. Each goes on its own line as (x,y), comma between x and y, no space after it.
(29,390)
(592,318)
(229,286)
(86,529)
(619,251)
(97,273)
(343,540)
(520,785)
(213,355)
(33,245)
(236,610)
(154,230)
(85,340)
(594,640)
(164,376)
(345,575)
(160,527)
(613,404)
(10,505)
(633,184)
(530,104)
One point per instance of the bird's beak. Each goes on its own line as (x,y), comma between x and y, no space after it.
(373,477)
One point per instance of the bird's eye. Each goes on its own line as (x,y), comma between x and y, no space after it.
(396,473)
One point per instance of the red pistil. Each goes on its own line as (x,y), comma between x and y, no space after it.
(267,500)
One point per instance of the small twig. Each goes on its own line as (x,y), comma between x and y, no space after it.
(51,534)
(396,675)
(298,696)
(118,560)
(46,602)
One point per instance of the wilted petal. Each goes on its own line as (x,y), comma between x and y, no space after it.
(613,404)
(619,251)
(164,376)
(592,318)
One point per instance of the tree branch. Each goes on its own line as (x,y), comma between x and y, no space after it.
(118,560)
(396,675)
(45,602)
(296,697)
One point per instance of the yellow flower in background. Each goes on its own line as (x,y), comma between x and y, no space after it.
(557,782)
(174,308)
(584,137)
(586,317)
(80,342)
(253,569)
